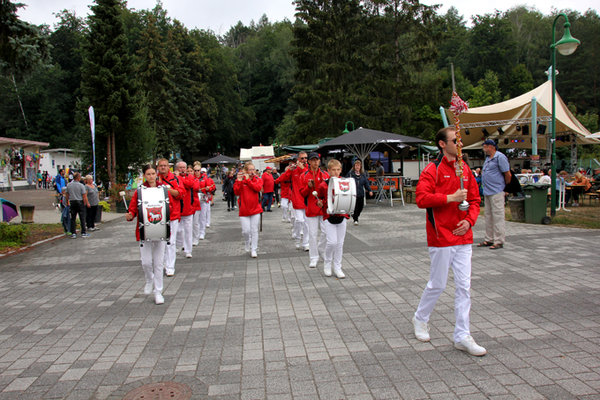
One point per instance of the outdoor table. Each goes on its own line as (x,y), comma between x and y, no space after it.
(384,186)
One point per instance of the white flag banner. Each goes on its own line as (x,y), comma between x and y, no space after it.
(93,128)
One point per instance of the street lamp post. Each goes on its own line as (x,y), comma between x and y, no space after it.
(565,46)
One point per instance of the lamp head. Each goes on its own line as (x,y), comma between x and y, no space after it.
(567,44)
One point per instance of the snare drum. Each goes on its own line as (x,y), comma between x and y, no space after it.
(153,213)
(341,196)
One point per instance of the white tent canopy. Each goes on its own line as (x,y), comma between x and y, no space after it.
(513,114)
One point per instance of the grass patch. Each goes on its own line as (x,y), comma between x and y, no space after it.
(13,237)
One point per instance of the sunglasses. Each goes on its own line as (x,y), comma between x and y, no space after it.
(303,158)
(453,141)
(197,170)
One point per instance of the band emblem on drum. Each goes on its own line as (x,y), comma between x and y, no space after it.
(154,214)
(344,186)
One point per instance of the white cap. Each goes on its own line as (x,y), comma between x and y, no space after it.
(202,169)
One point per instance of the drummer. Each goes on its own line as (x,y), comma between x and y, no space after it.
(335,226)
(151,251)
(166,177)
(311,180)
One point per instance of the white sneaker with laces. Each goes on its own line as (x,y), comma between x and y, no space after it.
(247,247)
(313,264)
(305,248)
(188,255)
(253,254)
(169,272)
(355,222)
(340,274)
(148,288)
(327,269)
(195,243)
(468,344)
(421,330)
(158,298)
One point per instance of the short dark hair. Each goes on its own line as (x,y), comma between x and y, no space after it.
(442,135)
(147,167)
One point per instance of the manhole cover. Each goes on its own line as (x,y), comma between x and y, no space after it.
(160,391)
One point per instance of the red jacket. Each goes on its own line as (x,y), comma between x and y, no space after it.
(207,187)
(248,191)
(133,208)
(268,182)
(285,180)
(173,181)
(312,209)
(435,183)
(322,192)
(189,200)
(295,195)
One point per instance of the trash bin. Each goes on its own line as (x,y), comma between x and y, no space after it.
(535,203)
(27,213)
(517,208)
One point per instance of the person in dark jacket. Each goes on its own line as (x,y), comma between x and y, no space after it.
(362,185)
(228,188)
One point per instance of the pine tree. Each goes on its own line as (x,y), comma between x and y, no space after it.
(107,84)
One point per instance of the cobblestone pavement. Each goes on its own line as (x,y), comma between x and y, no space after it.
(76,325)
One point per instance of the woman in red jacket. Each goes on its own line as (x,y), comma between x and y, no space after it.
(152,251)
(247,187)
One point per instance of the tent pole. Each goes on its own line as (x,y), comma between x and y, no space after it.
(534,149)
(444,117)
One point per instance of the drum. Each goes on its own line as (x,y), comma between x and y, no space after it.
(341,196)
(153,213)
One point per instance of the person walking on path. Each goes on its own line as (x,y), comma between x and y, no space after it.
(268,189)
(93,201)
(78,203)
(294,174)
(495,175)
(151,251)
(362,187)
(247,187)
(59,181)
(166,177)
(186,186)
(449,238)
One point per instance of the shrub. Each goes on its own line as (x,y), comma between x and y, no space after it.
(105,206)
(12,233)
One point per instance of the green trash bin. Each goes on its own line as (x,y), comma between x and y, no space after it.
(535,203)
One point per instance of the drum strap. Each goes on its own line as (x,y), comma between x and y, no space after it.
(140,214)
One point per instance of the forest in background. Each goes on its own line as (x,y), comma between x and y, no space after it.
(161,89)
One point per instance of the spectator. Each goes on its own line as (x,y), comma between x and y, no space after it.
(78,201)
(93,200)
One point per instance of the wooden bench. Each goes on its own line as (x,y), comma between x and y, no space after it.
(591,196)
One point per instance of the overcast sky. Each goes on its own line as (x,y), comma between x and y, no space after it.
(220,15)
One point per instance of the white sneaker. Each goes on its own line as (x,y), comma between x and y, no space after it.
(355,222)
(208,226)
(327,269)
(188,255)
(313,264)
(340,274)
(298,246)
(468,344)
(421,330)
(305,248)
(158,298)
(253,254)
(202,237)
(169,272)
(247,247)
(148,288)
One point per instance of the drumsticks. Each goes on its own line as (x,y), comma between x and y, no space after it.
(122,194)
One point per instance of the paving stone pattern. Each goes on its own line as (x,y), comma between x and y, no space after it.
(76,325)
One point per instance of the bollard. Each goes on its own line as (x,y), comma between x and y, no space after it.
(27,213)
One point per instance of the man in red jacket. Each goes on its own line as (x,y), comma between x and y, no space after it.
(311,180)
(166,177)
(188,208)
(449,237)
(268,189)
(300,231)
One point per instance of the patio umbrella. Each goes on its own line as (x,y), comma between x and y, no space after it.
(221,159)
(361,142)
(9,210)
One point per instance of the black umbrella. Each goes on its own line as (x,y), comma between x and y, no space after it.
(361,142)
(221,159)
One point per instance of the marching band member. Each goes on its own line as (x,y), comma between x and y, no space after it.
(300,229)
(285,181)
(188,208)
(151,251)
(197,220)
(311,180)
(208,188)
(247,187)
(166,177)
(335,226)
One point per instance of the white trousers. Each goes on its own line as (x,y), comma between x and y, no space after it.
(291,214)
(300,227)
(196,226)
(285,211)
(316,244)
(205,219)
(459,257)
(184,234)
(250,231)
(495,226)
(334,249)
(170,249)
(152,254)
